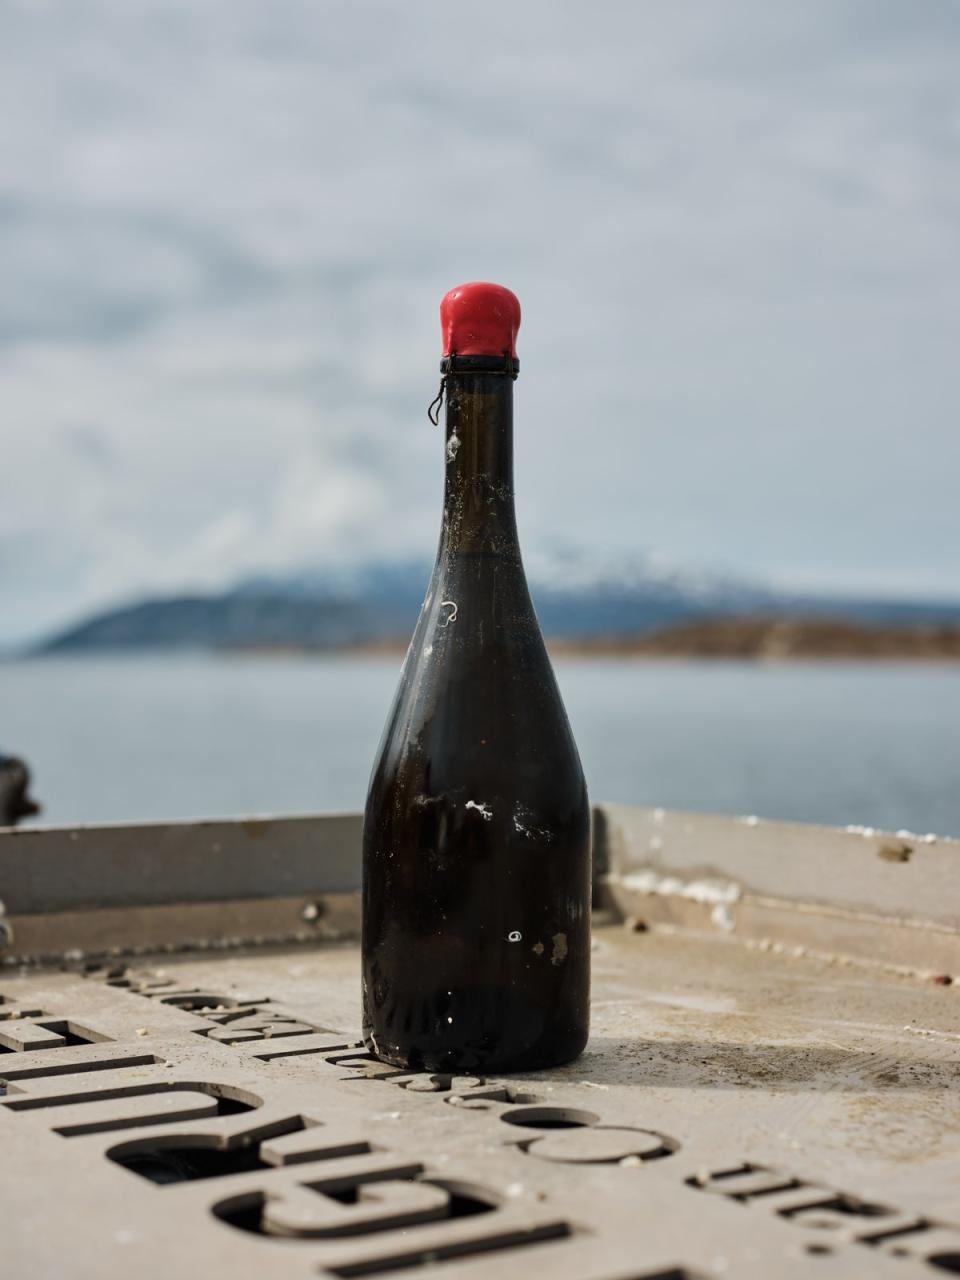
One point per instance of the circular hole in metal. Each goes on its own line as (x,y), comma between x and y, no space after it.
(550,1118)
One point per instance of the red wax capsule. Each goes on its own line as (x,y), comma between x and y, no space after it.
(480,319)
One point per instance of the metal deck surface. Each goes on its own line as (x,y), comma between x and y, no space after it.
(750,1104)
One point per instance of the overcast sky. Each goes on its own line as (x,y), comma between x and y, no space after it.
(225,228)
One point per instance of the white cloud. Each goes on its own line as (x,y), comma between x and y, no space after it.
(224,230)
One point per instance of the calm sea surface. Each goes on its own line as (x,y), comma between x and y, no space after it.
(136,739)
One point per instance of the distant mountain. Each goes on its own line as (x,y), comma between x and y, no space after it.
(379,602)
(234,619)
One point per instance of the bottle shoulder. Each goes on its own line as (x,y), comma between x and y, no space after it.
(478,708)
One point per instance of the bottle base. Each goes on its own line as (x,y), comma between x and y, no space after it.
(467,1061)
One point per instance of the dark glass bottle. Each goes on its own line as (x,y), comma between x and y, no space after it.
(476,866)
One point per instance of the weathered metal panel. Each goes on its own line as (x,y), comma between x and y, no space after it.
(892,898)
(45,869)
(886,898)
(734,1116)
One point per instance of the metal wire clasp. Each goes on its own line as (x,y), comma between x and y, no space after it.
(436,404)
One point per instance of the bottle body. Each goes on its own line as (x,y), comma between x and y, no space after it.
(476,899)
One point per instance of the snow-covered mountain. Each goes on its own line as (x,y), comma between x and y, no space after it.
(379,601)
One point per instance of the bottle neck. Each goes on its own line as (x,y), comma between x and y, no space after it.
(478,513)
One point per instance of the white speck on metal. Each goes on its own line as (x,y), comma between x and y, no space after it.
(721,917)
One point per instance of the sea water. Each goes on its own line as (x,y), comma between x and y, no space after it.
(154,737)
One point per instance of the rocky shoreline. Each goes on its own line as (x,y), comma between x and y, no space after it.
(778,639)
